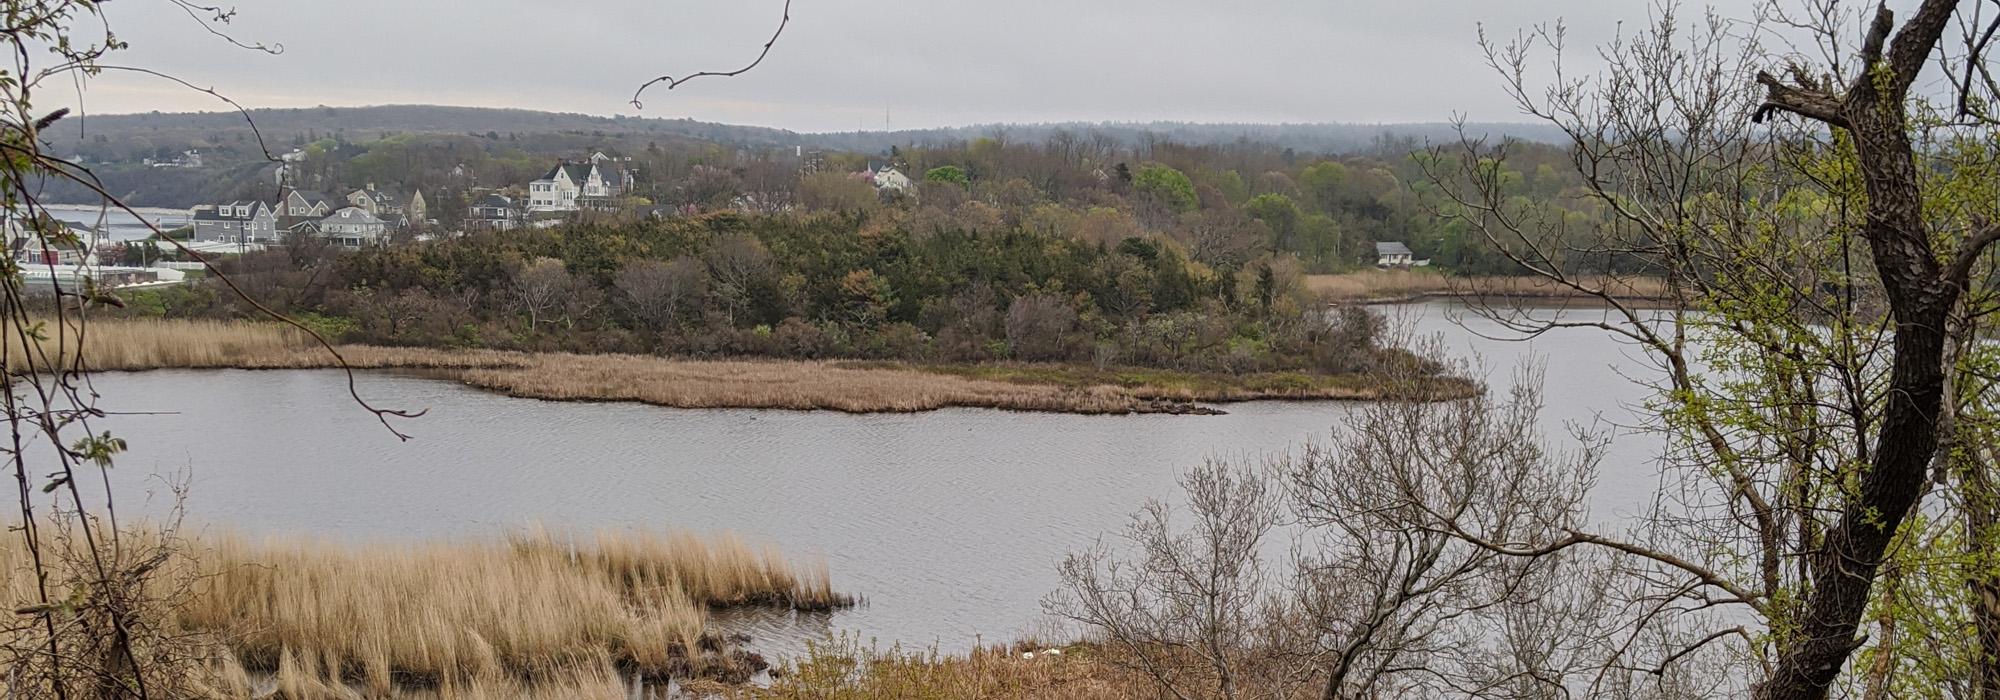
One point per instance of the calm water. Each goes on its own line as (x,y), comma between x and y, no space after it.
(950,523)
(117,225)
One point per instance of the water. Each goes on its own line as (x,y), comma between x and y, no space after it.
(117,224)
(950,523)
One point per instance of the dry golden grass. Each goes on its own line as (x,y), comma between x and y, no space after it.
(844,670)
(1384,285)
(778,384)
(536,613)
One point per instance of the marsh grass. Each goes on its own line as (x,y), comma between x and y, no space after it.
(1171,385)
(1386,285)
(857,387)
(845,669)
(511,617)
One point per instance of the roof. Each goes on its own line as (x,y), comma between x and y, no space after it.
(312,196)
(1392,248)
(217,214)
(494,201)
(351,215)
(578,172)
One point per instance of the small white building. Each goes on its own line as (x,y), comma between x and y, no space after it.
(1393,254)
(893,179)
(354,227)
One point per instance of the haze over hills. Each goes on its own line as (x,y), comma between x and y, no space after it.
(143,158)
(283,126)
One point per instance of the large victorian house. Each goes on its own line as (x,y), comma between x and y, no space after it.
(570,186)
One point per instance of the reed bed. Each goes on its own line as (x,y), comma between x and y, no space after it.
(536,613)
(843,669)
(1391,285)
(857,387)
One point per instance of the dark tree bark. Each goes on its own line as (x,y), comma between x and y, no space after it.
(1921,293)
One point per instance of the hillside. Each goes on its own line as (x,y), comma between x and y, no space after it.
(512,145)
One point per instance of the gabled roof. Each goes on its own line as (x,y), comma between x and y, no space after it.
(578,172)
(1392,248)
(494,201)
(351,215)
(313,196)
(227,212)
(380,196)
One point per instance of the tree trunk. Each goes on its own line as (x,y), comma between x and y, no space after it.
(1811,655)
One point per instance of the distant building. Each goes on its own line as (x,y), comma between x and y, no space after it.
(187,159)
(893,179)
(391,206)
(354,227)
(1393,254)
(601,179)
(235,222)
(493,213)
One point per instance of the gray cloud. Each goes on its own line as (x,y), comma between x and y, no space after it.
(843,63)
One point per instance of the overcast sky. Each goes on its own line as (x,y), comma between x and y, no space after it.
(849,64)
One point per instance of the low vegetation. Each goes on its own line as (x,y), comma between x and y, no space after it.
(845,669)
(1408,285)
(144,344)
(511,617)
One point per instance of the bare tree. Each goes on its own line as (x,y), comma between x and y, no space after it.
(1396,586)
(540,287)
(657,293)
(1188,610)
(1039,327)
(1821,238)
(739,267)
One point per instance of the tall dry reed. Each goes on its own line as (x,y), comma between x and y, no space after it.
(460,619)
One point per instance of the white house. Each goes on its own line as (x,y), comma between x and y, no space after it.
(353,227)
(1393,255)
(235,222)
(893,179)
(599,179)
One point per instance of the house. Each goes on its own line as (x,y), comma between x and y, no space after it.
(418,211)
(1393,255)
(390,206)
(235,222)
(41,250)
(889,178)
(373,201)
(600,179)
(354,227)
(493,212)
(302,205)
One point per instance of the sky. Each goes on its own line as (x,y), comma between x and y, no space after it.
(844,65)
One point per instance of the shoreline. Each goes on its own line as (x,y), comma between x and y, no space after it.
(1381,287)
(847,386)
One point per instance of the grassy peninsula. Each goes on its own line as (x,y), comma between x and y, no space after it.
(838,385)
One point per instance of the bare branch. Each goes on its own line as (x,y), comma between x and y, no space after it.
(673,82)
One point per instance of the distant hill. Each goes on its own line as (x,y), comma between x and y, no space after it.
(117,147)
(1305,138)
(281,127)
